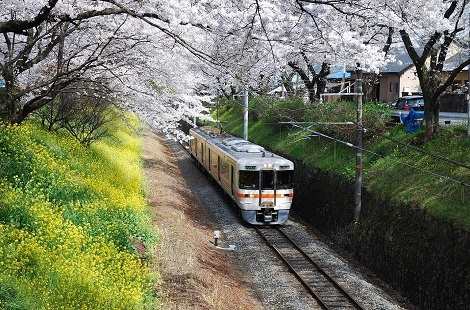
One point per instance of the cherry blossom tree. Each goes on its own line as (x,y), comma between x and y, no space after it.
(429,47)
(47,46)
(425,29)
(306,37)
(339,32)
(158,55)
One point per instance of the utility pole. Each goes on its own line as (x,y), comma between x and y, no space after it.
(245,113)
(468,98)
(468,101)
(218,109)
(358,185)
(468,86)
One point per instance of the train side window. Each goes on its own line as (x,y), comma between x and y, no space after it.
(224,169)
(214,160)
(284,179)
(248,179)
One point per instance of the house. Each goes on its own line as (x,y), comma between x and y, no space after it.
(399,78)
(339,84)
(396,79)
(460,84)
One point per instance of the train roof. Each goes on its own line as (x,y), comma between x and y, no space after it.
(236,147)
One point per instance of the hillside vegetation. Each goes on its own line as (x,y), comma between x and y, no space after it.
(397,166)
(70,218)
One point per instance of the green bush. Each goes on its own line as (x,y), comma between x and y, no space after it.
(397,166)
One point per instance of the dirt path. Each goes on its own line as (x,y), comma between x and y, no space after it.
(195,275)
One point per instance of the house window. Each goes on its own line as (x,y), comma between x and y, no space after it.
(393,88)
(456,86)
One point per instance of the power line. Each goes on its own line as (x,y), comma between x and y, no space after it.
(383,136)
(383,156)
(420,150)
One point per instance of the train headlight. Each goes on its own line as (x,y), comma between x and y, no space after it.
(268,165)
(249,195)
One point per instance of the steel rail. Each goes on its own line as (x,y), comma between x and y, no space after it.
(317,296)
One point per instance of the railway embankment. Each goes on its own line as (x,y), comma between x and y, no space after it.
(414,226)
(425,258)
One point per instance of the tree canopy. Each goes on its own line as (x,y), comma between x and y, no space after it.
(162,58)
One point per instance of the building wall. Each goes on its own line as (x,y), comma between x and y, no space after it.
(389,87)
(409,82)
(393,86)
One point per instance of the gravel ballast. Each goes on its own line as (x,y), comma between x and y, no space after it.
(275,286)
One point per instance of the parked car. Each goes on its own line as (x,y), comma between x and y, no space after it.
(402,105)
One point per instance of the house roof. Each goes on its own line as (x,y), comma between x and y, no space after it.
(402,62)
(339,75)
(453,62)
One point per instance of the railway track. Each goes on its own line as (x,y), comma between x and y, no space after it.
(326,291)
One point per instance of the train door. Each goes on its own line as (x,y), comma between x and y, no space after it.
(193,143)
(231,179)
(209,158)
(202,152)
(267,183)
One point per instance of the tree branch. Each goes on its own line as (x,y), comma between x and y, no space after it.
(20,26)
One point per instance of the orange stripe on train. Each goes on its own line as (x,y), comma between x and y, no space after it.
(264,196)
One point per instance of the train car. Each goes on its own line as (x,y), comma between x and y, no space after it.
(259,182)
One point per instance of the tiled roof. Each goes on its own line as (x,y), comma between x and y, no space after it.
(402,62)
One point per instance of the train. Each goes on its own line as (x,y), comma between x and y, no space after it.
(260,183)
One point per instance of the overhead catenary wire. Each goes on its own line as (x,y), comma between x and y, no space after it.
(419,149)
(383,136)
(317,133)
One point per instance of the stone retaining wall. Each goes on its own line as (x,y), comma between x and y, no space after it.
(424,258)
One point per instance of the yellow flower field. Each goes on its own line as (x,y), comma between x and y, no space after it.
(67,215)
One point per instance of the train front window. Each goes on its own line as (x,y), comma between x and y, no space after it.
(248,179)
(284,179)
(267,179)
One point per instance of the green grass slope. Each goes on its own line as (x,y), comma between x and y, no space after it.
(69,216)
(397,166)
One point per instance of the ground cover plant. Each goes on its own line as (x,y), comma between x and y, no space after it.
(70,217)
(398,166)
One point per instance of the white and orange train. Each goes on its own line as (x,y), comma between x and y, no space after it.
(259,182)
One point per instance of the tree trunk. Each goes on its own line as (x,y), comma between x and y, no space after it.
(435,113)
(321,79)
(428,119)
(431,115)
